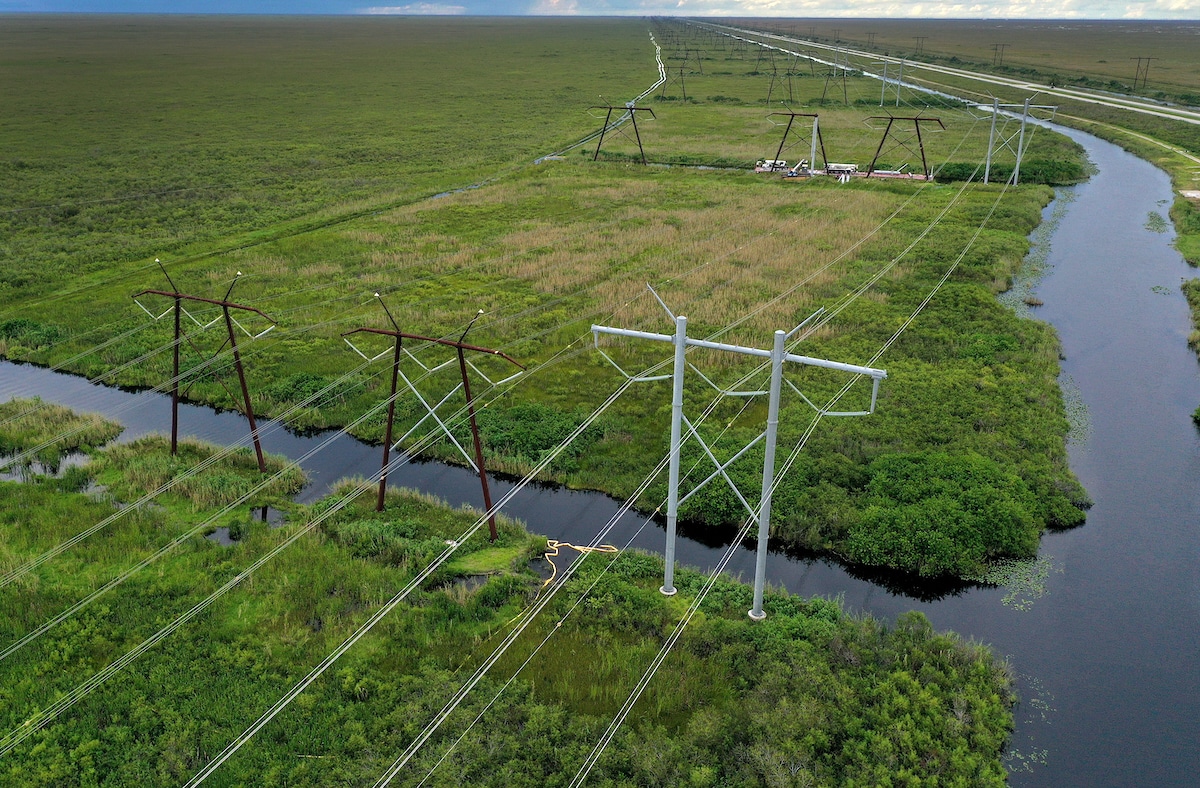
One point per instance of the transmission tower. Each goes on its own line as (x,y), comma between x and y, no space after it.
(1143,71)
(834,71)
(814,139)
(903,142)
(1006,143)
(227,307)
(771,83)
(632,112)
(460,346)
(895,85)
(764,54)
(777,356)
(671,80)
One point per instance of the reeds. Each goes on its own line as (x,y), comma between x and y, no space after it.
(146,465)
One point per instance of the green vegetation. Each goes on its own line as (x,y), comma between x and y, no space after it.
(1186,214)
(1042,52)
(134,469)
(811,693)
(1097,54)
(545,250)
(44,432)
(1191,289)
(1048,53)
(17,336)
(130,138)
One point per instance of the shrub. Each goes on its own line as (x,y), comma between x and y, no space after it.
(938,514)
(528,431)
(30,333)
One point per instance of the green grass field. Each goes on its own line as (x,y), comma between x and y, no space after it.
(130,137)
(342,210)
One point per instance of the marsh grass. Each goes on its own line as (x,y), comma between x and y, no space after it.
(312,118)
(133,469)
(730,693)
(547,250)
(196,689)
(28,423)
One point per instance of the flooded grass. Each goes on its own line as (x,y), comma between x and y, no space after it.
(43,432)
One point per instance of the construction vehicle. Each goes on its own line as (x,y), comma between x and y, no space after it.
(770,165)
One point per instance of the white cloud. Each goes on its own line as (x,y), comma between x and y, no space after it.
(555,8)
(415,9)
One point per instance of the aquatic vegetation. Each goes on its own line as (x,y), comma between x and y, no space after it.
(45,432)
(133,469)
(1024,580)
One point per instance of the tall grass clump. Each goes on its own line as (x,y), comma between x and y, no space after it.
(27,423)
(133,469)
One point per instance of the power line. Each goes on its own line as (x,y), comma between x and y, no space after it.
(378,616)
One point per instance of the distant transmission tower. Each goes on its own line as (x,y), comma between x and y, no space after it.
(1143,71)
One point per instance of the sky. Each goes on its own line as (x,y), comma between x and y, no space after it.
(844,9)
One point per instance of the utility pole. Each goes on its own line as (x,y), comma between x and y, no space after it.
(870,38)
(1016,176)
(998,54)
(431,411)
(883,88)
(777,356)
(226,306)
(632,112)
(920,43)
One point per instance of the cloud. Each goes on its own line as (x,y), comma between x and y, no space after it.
(415,9)
(555,8)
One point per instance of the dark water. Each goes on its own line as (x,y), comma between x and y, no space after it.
(1109,657)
